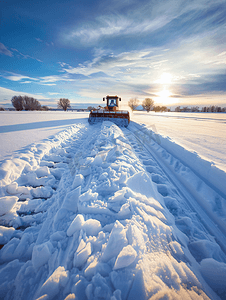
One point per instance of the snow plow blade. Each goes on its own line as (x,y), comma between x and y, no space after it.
(120,118)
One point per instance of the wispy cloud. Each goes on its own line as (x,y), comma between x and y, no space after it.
(17,77)
(5,51)
(8,94)
(47,43)
(112,26)
(147,17)
(52,94)
(25,56)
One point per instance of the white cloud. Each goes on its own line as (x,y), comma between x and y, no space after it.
(17,77)
(8,94)
(55,78)
(113,26)
(5,51)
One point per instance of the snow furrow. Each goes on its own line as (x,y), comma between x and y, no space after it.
(193,190)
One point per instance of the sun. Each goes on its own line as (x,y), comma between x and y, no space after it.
(164,97)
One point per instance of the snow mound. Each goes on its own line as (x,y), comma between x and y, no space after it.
(7,203)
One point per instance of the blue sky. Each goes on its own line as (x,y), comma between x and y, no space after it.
(173,51)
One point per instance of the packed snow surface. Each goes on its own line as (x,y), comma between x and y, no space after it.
(102,212)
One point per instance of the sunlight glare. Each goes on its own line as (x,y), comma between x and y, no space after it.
(165,78)
(164,97)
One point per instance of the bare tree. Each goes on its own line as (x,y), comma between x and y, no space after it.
(18,102)
(90,108)
(147,104)
(64,104)
(25,102)
(31,103)
(133,103)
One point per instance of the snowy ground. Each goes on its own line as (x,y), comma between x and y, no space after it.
(102,212)
(20,129)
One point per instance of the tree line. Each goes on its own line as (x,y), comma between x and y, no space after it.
(147,104)
(211,108)
(29,103)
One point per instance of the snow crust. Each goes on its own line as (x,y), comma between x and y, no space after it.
(89,214)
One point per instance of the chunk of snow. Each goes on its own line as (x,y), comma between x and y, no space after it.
(42,171)
(118,196)
(57,236)
(205,249)
(92,227)
(103,176)
(71,200)
(141,183)
(117,240)
(12,188)
(52,286)
(41,254)
(57,173)
(7,203)
(78,180)
(42,192)
(75,225)
(79,289)
(214,273)
(97,267)
(85,170)
(98,160)
(125,258)
(124,210)
(87,196)
(122,280)
(5,234)
(81,257)
(100,287)
(29,206)
(10,170)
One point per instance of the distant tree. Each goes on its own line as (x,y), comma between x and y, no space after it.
(147,104)
(218,109)
(2,109)
(25,102)
(90,108)
(44,107)
(212,109)
(204,109)
(157,108)
(195,109)
(185,108)
(133,103)
(31,103)
(164,108)
(178,109)
(64,104)
(18,102)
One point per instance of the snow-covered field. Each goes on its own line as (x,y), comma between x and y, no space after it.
(102,212)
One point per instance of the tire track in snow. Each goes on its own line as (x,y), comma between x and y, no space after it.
(167,175)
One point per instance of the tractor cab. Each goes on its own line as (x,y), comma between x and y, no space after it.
(112,102)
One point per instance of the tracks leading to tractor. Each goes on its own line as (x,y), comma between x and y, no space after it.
(173,187)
